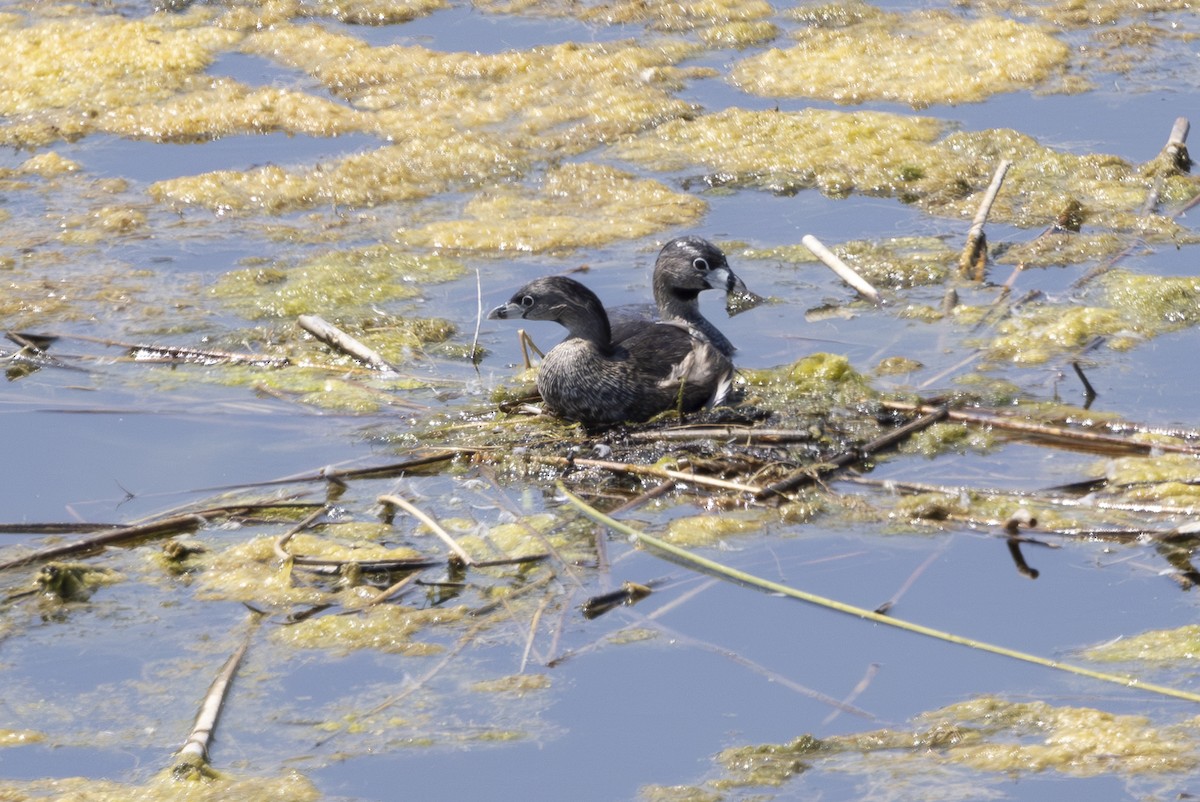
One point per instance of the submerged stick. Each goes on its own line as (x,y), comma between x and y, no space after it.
(334,337)
(194,754)
(708,566)
(843,270)
(975,251)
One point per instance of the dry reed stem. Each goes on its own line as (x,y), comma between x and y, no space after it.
(1175,149)
(975,251)
(282,553)
(194,753)
(843,270)
(1094,440)
(811,473)
(334,337)
(166,526)
(393,500)
(645,470)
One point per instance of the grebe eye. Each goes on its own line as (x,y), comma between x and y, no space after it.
(526,302)
(700,263)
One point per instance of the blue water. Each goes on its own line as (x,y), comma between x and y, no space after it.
(617,717)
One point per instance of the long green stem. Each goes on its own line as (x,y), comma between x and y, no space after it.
(725,571)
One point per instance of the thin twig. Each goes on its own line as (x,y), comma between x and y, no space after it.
(1175,150)
(855,692)
(392,591)
(283,539)
(747,435)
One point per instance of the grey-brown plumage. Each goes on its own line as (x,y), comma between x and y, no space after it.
(588,378)
(686,267)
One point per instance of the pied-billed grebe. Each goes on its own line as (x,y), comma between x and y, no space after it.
(590,379)
(686,266)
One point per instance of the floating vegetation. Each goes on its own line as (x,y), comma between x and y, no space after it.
(575,206)
(909,158)
(1180,645)
(718,23)
(998,738)
(338,283)
(922,59)
(427,595)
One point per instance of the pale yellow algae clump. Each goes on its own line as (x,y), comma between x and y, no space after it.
(165,786)
(59,77)
(384,627)
(870,152)
(719,23)
(934,57)
(101,62)
(457,120)
(1180,645)
(986,734)
(569,96)
(408,171)
(1077,741)
(1038,334)
(912,159)
(221,107)
(376,12)
(336,283)
(576,205)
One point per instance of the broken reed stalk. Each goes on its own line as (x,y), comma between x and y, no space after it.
(185,354)
(1040,498)
(126,534)
(393,590)
(308,521)
(645,470)
(475,355)
(1176,151)
(1092,440)
(811,473)
(843,270)
(705,565)
(393,500)
(1176,154)
(193,756)
(334,337)
(975,251)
